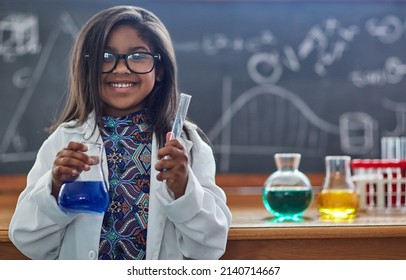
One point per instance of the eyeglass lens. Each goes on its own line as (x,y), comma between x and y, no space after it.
(137,62)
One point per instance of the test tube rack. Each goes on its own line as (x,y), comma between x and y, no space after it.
(381,184)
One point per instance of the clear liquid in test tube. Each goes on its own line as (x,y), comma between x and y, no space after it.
(180,115)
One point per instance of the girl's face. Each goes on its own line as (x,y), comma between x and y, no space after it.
(122,91)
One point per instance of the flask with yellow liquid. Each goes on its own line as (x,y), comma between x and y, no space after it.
(338,199)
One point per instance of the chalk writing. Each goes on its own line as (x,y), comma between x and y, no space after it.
(12,136)
(388,30)
(391,73)
(18,36)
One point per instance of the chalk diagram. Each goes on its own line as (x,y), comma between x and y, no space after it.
(255,116)
(23,39)
(260,120)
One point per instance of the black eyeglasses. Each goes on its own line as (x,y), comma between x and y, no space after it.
(136,62)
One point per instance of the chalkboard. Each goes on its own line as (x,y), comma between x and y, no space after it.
(317,78)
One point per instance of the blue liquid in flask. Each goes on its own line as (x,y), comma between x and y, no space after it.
(83,197)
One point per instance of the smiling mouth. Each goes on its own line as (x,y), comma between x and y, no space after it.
(122,85)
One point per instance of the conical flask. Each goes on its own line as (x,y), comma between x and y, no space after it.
(88,193)
(338,198)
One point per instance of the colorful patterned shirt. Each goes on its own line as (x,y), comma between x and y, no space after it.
(128,144)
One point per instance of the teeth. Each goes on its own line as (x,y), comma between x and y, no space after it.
(122,85)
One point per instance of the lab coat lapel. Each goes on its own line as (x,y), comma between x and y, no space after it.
(156,212)
(157,216)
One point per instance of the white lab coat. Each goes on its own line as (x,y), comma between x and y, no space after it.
(194,226)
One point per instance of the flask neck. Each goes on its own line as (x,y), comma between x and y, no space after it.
(338,178)
(338,173)
(287,162)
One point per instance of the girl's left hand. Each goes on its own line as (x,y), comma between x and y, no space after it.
(173,166)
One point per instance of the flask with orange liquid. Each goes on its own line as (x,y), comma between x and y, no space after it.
(338,199)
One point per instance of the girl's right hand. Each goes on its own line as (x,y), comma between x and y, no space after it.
(69,163)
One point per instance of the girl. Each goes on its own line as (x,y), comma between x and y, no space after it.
(164,203)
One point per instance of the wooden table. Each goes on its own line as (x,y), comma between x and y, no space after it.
(253,234)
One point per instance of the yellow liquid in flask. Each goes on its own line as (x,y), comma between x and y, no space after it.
(338,204)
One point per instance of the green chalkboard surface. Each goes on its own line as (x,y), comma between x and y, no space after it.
(314,77)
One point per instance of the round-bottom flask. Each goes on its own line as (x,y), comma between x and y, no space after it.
(287,193)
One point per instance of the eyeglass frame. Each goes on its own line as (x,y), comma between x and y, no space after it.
(118,56)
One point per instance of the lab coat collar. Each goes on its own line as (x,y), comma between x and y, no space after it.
(86,129)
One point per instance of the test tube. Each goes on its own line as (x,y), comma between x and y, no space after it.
(402,148)
(180,115)
(390,148)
